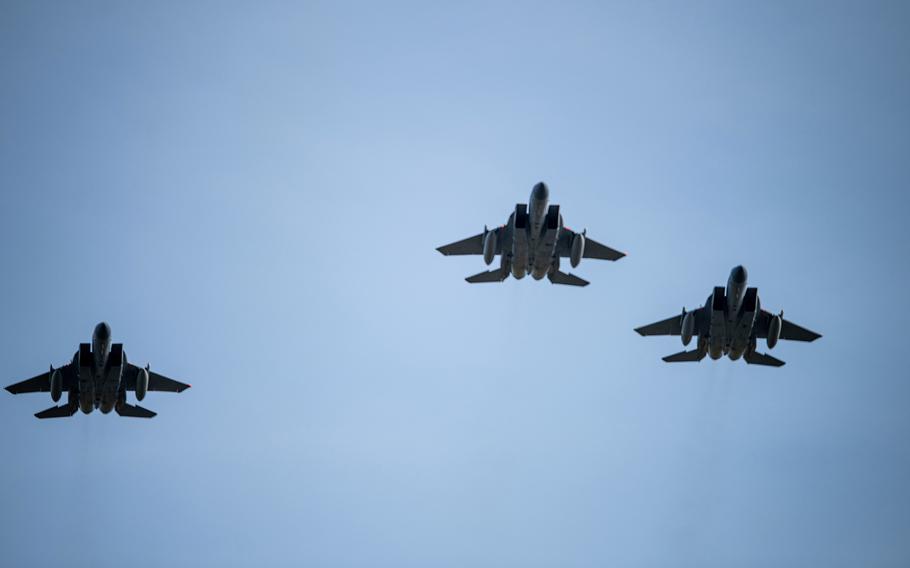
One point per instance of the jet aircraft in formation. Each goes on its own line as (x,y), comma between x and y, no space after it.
(730,323)
(533,241)
(98,377)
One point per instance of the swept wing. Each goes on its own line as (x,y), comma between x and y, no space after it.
(788,329)
(157,382)
(593,249)
(673,325)
(42,382)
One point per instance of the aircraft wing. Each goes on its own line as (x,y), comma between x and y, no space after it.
(788,329)
(42,382)
(672,325)
(593,249)
(156,382)
(471,245)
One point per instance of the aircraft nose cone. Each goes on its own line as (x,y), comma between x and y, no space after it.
(739,274)
(103,331)
(540,192)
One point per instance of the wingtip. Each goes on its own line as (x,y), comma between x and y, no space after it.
(639,331)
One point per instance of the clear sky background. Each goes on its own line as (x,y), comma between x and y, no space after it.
(251,195)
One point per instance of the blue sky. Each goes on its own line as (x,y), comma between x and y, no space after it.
(251,195)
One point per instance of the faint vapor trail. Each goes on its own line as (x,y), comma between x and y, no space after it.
(702,465)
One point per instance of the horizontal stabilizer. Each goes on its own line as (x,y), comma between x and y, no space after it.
(685,356)
(137,411)
(756,358)
(62,411)
(567,279)
(491,276)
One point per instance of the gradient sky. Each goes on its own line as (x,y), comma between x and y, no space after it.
(251,195)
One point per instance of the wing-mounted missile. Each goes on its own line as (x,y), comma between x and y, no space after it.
(774,329)
(687,329)
(142,382)
(56,383)
(489,245)
(578,248)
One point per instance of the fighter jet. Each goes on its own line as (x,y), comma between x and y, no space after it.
(532,241)
(730,324)
(98,377)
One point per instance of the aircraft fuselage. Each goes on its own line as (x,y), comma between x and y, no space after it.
(99,366)
(731,312)
(533,230)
